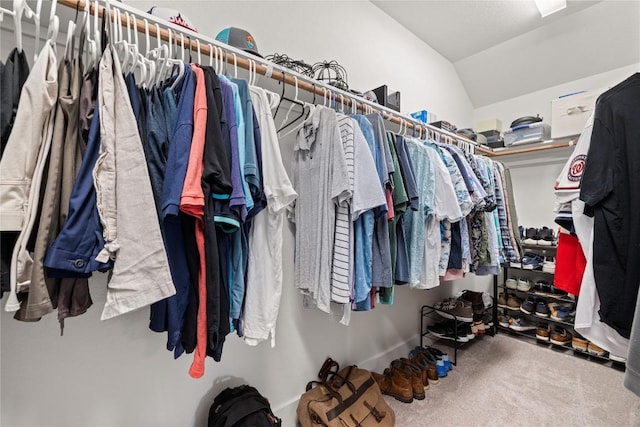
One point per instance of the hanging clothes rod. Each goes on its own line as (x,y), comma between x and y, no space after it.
(247,61)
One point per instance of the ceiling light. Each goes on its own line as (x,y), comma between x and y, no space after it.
(547,7)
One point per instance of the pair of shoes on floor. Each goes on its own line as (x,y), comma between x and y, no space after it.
(433,355)
(456,308)
(539,236)
(586,346)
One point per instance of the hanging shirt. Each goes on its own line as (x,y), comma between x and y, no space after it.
(611,189)
(13,77)
(321,181)
(265,265)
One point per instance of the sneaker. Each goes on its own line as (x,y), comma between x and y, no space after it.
(521,324)
(502,300)
(515,264)
(477,327)
(446,332)
(475,299)
(511,284)
(441,369)
(447,363)
(546,237)
(513,302)
(543,287)
(561,312)
(595,350)
(542,332)
(531,236)
(549,265)
(560,336)
(579,343)
(542,310)
(531,262)
(456,309)
(465,330)
(504,320)
(488,320)
(528,306)
(524,285)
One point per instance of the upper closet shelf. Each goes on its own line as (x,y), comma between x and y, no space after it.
(530,148)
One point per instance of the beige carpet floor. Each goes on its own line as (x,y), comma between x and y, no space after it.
(505,381)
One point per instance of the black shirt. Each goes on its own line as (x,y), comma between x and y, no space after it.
(611,189)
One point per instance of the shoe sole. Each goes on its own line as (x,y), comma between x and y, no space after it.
(454,317)
(619,359)
(529,267)
(515,265)
(419,396)
(561,343)
(530,242)
(583,349)
(549,270)
(560,319)
(545,316)
(503,306)
(447,337)
(510,287)
(504,325)
(541,338)
(513,308)
(400,398)
(545,243)
(525,311)
(524,289)
(522,328)
(597,353)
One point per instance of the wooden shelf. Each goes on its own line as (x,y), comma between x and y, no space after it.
(528,148)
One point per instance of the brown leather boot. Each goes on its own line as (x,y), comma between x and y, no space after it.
(395,382)
(416,378)
(428,362)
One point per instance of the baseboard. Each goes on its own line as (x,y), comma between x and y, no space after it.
(287,410)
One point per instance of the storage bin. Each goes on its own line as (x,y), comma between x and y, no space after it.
(535,132)
(569,114)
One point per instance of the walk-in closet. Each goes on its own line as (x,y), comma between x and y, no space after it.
(306,213)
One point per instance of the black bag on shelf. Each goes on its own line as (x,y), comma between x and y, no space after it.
(241,406)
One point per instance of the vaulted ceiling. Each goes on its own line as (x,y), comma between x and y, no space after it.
(503,49)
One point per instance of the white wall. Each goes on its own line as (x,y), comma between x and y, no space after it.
(117,373)
(539,102)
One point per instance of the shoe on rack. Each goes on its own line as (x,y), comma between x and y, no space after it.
(511,284)
(531,236)
(549,265)
(504,320)
(456,309)
(543,287)
(475,299)
(560,336)
(595,350)
(542,332)
(546,237)
(542,310)
(445,331)
(521,324)
(515,263)
(395,382)
(513,302)
(465,330)
(579,343)
(524,285)
(528,306)
(561,312)
(531,261)
(477,327)
(502,300)
(488,321)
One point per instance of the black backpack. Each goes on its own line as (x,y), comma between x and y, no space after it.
(241,406)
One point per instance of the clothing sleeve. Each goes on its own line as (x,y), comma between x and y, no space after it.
(367,191)
(597,180)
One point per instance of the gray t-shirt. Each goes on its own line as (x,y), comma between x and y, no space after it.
(321,181)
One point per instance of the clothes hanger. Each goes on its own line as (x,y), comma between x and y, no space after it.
(54,24)
(198,51)
(295,101)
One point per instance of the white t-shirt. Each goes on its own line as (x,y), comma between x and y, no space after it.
(264,268)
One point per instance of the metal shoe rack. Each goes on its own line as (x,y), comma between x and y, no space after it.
(533,276)
(429,315)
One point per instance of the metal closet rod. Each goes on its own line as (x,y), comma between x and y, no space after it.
(262,66)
